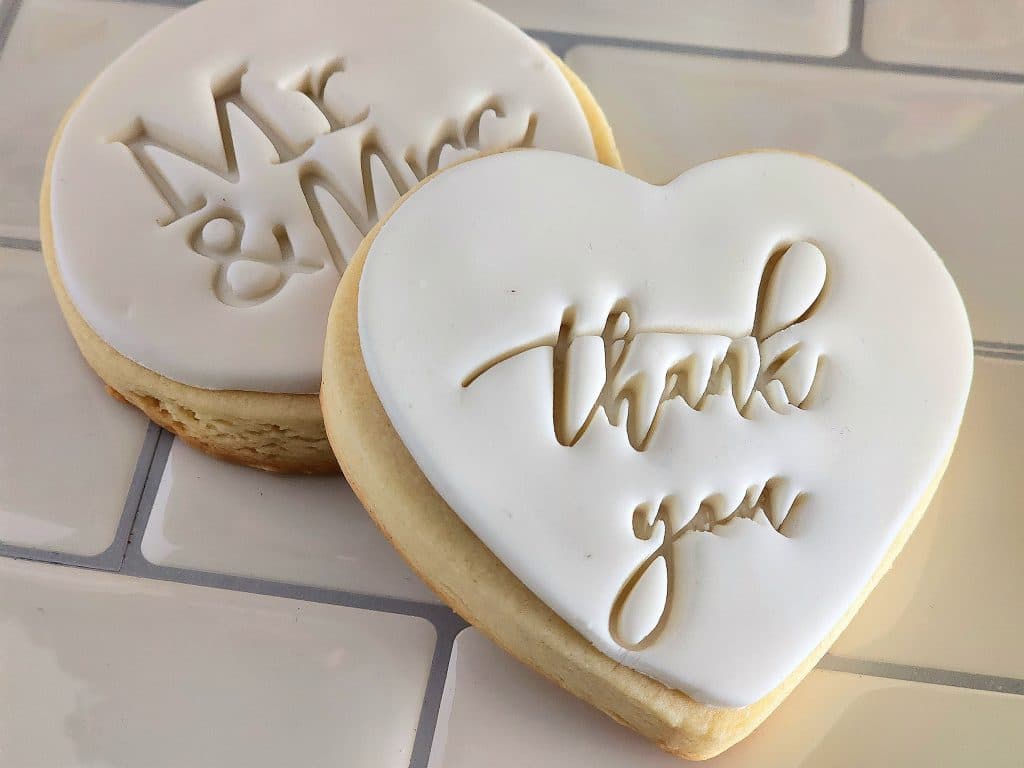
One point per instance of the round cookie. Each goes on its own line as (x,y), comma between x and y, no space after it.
(204,194)
(659,443)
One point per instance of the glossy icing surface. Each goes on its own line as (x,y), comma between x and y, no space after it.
(690,418)
(212,183)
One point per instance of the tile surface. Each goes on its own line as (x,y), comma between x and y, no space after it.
(983,34)
(54,50)
(809,27)
(943,150)
(498,713)
(67,449)
(104,670)
(213,516)
(953,600)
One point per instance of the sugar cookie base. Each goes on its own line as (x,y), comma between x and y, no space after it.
(278,432)
(439,547)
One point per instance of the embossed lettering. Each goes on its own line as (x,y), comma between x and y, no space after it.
(643,605)
(256,250)
(631,389)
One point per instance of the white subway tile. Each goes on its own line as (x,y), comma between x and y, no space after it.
(498,713)
(983,34)
(100,669)
(67,449)
(54,50)
(212,516)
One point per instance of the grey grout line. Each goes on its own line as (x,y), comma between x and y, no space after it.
(1000,345)
(999,354)
(136,490)
(172,3)
(430,711)
(20,243)
(856,42)
(558,42)
(436,613)
(110,558)
(930,675)
(8,13)
(107,560)
(562,42)
(132,558)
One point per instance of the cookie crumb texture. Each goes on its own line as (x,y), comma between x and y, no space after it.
(262,445)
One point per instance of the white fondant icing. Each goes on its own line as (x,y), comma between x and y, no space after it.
(219,235)
(651,588)
(584,373)
(796,282)
(810,354)
(299,123)
(251,279)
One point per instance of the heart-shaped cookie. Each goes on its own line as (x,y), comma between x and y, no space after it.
(659,442)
